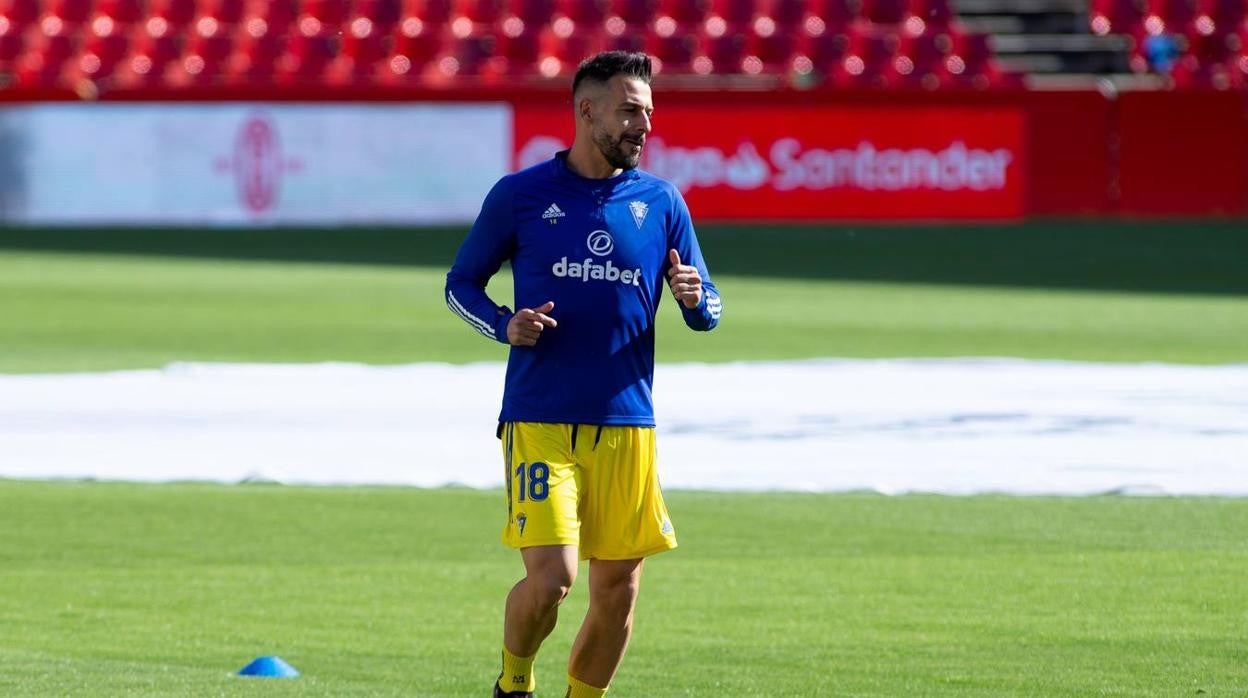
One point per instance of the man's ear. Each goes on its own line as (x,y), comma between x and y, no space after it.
(585,109)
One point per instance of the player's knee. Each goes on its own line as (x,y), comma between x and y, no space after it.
(550,590)
(617,598)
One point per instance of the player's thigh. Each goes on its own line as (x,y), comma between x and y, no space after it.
(542,485)
(623,515)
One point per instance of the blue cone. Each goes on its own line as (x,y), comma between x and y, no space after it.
(269,667)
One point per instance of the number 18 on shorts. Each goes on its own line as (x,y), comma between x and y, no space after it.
(584,485)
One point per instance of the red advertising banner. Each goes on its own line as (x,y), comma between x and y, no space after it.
(820,162)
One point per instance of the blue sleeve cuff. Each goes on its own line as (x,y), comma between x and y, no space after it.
(500,325)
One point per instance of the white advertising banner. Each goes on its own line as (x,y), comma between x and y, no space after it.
(250,164)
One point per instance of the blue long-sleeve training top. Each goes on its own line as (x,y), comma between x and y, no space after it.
(599,249)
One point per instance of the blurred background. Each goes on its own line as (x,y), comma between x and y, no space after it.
(329,112)
(254,182)
(969,247)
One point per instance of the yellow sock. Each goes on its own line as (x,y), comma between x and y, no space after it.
(517,673)
(580,689)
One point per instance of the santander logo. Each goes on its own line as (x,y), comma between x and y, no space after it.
(790,165)
(258,164)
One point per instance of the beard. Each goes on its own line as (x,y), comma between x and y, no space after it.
(617,151)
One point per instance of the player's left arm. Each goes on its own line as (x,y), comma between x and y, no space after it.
(687,275)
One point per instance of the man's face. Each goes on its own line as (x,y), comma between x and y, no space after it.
(622,121)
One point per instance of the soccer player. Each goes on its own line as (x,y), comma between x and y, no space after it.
(594,244)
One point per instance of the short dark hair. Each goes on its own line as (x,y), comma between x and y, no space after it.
(608,64)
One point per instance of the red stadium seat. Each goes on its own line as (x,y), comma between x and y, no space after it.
(257,46)
(224,11)
(207,46)
(149,57)
(54,41)
(1227,15)
(1200,76)
(786,13)
(563,47)
(416,41)
(869,60)
(973,64)
(723,46)
(923,16)
(20,12)
(673,45)
(1207,44)
(534,12)
(462,57)
(124,11)
(361,42)
(308,51)
(210,40)
(733,11)
(920,62)
(178,13)
(769,44)
(583,12)
(382,13)
(361,51)
(884,11)
(68,11)
(1116,16)
(1209,61)
(153,46)
(1169,15)
(517,45)
(11,43)
(637,12)
(1238,65)
(33,69)
(274,13)
(105,39)
(837,14)
(155,38)
(327,12)
(431,12)
(620,35)
(480,11)
(823,46)
(92,65)
(397,69)
(684,11)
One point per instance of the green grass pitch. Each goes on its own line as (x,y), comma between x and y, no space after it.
(96,300)
(119,590)
(166,590)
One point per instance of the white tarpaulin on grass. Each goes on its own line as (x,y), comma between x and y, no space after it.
(950,426)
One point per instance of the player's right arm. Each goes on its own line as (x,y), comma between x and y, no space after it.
(489,243)
(492,240)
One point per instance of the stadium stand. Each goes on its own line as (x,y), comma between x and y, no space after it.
(1197,43)
(186,44)
(807,44)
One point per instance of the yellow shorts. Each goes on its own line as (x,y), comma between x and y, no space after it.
(584,485)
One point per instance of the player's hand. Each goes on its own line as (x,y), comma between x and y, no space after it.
(684,280)
(526,326)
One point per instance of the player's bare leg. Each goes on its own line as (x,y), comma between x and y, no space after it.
(533,609)
(533,604)
(600,645)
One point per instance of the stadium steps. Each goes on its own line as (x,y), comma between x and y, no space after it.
(1046,38)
